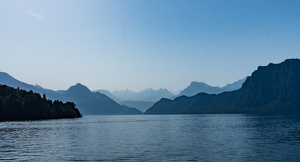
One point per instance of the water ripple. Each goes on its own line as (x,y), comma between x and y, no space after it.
(153,138)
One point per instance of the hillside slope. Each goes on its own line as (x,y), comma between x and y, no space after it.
(272,89)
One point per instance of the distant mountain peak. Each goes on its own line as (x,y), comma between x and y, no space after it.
(197,87)
(79,88)
(148,94)
(38,86)
(5,75)
(79,84)
(194,83)
(162,90)
(108,94)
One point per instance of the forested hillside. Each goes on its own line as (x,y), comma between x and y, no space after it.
(18,104)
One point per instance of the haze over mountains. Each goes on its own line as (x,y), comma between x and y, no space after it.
(94,102)
(197,87)
(140,100)
(89,103)
(108,94)
(272,89)
(140,105)
(146,98)
(144,95)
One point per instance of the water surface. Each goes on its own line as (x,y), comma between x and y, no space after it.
(153,138)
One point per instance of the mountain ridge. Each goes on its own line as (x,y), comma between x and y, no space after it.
(198,87)
(88,103)
(108,94)
(95,102)
(149,95)
(271,89)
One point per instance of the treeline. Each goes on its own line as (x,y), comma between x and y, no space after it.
(18,104)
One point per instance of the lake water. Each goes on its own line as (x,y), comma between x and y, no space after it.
(153,138)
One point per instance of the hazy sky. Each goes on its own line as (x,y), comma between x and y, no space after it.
(137,44)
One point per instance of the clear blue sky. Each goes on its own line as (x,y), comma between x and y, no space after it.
(137,44)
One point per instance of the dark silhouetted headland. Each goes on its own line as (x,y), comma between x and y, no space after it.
(272,89)
(18,104)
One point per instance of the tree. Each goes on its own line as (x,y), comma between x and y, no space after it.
(2,112)
(22,105)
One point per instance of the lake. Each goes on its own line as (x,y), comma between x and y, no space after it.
(153,138)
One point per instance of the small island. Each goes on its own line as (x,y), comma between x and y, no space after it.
(19,104)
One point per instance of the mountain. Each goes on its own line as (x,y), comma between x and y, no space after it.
(144,95)
(140,105)
(38,86)
(6,79)
(235,85)
(197,87)
(18,104)
(272,89)
(88,103)
(108,94)
(92,103)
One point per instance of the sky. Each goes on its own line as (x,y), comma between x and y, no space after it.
(138,44)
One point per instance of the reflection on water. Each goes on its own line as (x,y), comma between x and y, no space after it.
(153,138)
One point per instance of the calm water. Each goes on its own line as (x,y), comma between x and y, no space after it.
(153,138)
